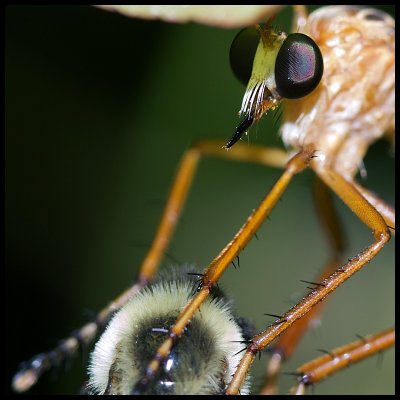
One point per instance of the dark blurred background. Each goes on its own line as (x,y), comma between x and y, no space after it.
(99,110)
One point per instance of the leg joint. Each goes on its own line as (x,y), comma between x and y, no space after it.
(383,236)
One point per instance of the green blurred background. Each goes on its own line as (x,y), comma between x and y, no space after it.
(99,110)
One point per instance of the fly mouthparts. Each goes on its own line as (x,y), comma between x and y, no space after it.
(240,130)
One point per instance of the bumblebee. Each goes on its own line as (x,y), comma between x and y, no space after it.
(201,362)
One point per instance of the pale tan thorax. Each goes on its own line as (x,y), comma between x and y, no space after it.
(354,104)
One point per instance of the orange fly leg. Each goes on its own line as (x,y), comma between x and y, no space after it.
(341,357)
(370,217)
(212,274)
(34,368)
(287,343)
(299,18)
(386,210)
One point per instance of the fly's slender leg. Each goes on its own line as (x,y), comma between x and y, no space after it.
(386,210)
(33,369)
(370,217)
(211,275)
(341,357)
(28,376)
(299,18)
(287,343)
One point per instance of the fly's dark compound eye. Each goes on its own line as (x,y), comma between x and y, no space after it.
(242,52)
(298,67)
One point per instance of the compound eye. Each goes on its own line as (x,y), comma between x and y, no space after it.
(242,52)
(298,66)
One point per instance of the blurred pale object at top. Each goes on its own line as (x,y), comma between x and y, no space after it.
(231,16)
